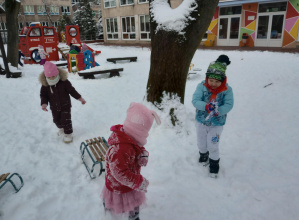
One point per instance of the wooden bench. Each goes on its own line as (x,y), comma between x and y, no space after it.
(62,64)
(131,59)
(4,178)
(96,149)
(90,75)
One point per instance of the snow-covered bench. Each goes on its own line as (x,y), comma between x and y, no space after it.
(89,73)
(113,60)
(96,149)
(4,178)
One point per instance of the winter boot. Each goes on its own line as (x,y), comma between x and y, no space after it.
(60,132)
(203,157)
(68,138)
(214,166)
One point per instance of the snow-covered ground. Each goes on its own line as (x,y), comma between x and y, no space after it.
(259,169)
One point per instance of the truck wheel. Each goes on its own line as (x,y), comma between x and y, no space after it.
(36,58)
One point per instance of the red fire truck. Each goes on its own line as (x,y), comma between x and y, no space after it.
(31,37)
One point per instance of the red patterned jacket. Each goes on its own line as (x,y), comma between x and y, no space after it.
(122,168)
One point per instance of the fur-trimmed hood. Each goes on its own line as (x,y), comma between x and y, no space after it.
(62,73)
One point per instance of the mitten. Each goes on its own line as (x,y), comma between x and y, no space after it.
(82,101)
(143,186)
(44,107)
(210,107)
(143,158)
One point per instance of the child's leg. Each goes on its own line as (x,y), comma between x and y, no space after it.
(213,138)
(66,121)
(57,118)
(134,215)
(202,132)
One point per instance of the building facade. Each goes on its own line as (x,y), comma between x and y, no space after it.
(253,23)
(47,12)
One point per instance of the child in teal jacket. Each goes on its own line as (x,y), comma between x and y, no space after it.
(213,99)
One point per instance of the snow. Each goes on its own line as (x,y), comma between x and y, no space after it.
(169,19)
(259,169)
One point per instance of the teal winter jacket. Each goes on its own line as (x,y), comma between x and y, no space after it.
(201,98)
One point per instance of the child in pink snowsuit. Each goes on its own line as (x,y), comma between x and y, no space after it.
(42,53)
(125,187)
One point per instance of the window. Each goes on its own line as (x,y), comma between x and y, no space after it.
(126,2)
(28,23)
(55,24)
(3,26)
(75,1)
(54,10)
(142,1)
(41,10)
(235,10)
(128,28)
(273,7)
(112,29)
(48,32)
(20,26)
(35,32)
(109,3)
(28,10)
(65,9)
(145,27)
(44,23)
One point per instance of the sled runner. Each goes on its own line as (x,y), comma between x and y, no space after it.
(96,149)
(4,178)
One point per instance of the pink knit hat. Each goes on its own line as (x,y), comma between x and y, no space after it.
(50,69)
(139,121)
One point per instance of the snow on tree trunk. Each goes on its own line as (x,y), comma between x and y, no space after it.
(12,8)
(175,36)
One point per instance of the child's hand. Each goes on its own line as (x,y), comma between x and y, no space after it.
(82,101)
(143,186)
(44,107)
(211,106)
(143,158)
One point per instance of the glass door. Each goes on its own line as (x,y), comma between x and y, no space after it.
(229,27)
(270,30)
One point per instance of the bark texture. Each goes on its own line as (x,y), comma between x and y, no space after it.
(172,53)
(12,8)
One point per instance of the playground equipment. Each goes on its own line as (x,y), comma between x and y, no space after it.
(82,61)
(31,37)
(72,35)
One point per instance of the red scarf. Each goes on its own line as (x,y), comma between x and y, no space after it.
(214,92)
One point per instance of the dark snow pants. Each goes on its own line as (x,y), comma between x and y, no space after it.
(63,119)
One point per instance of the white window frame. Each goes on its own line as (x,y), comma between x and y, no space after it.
(44,23)
(54,10)
(144,32)
(20,25)
(143,1)
(115,29)
(28,9)
(55,25)
(41,10)
(65,9)
(128,32)
(110,5)
(75,1)
(3,24)
(126,2)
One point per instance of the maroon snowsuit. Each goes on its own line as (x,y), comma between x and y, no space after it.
(59,98)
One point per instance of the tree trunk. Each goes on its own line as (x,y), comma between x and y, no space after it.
(12,9)
(172,53)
